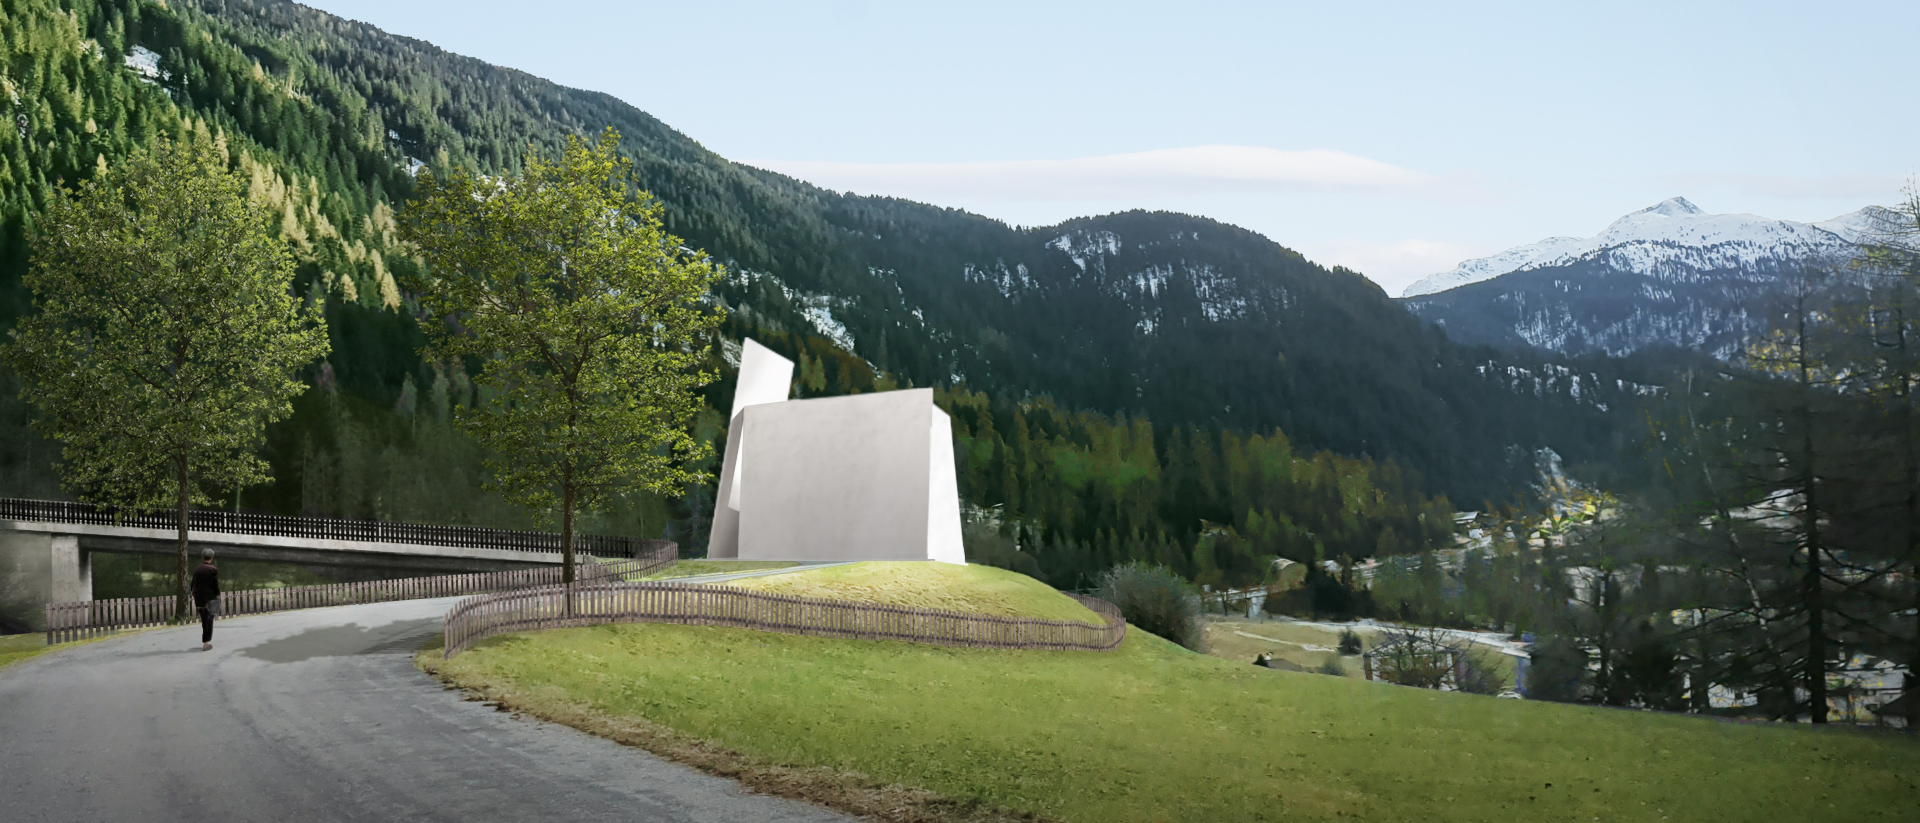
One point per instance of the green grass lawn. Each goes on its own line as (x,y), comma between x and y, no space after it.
(1158,733)
(976,589)
(1152,732)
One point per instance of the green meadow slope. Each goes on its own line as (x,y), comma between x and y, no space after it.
(1152,732)
(973,588)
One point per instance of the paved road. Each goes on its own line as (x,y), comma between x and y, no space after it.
(314,715)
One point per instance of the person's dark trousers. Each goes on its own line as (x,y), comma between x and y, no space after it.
(206,625)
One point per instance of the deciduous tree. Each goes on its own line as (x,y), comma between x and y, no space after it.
(166,335)
(591,322)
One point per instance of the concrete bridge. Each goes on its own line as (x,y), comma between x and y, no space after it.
(47,547)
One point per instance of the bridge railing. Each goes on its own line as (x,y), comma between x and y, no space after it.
(76,621)
(477,618)
(322,528)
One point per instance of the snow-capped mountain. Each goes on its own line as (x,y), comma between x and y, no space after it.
(1669,274)
(1671,232)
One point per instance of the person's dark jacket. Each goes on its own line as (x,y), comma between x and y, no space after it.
(206,584)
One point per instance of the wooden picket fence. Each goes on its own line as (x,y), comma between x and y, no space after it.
(477,618)
(75,621)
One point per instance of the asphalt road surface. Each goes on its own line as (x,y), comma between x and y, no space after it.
(314,715)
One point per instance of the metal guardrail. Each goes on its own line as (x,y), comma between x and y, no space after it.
(321,528)
(477,618)
(75,621)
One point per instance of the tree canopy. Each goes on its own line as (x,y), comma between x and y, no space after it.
(591,323)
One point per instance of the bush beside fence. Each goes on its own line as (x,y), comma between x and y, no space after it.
(477,618)
(321,528)
(74,621)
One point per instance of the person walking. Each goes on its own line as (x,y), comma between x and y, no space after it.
(206,596)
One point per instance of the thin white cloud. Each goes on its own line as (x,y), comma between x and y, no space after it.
(1832,186)
(1185,171)
(1395,265)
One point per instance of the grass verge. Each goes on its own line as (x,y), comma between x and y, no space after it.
(15,648)
(19,648)
(1155,733)
(975,589)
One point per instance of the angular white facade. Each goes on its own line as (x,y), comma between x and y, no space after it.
(865,477)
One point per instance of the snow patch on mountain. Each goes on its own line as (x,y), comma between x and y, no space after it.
(146,63)
(1006,281)
(1083,245)
(811,307)
(828,326)
(1673,237)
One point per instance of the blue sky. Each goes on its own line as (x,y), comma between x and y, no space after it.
(1397,139)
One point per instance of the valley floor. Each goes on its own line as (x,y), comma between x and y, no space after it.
(1310,645)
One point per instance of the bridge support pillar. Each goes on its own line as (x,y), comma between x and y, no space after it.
(37,568)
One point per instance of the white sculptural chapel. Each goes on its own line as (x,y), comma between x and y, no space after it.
(863,477)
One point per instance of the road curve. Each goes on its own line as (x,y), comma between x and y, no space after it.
(314,715)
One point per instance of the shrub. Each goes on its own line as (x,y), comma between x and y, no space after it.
(1350,642)
(1477,677)
(1557,670)
(1422,658)
(990,544)
(1154,599)
(1333,667)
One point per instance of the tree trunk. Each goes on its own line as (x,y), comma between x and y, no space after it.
(1910,684)
(1606,604)
(567,495)
(182,595)
(1811,586)
(1816,668)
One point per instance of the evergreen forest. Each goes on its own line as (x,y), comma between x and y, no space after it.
(1144,386)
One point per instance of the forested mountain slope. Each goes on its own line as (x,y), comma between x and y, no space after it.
(1192,335)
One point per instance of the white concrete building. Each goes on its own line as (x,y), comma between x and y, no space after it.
(864,477)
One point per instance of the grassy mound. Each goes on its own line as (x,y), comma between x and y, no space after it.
(1152,732)
(973,588)
(697,568)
